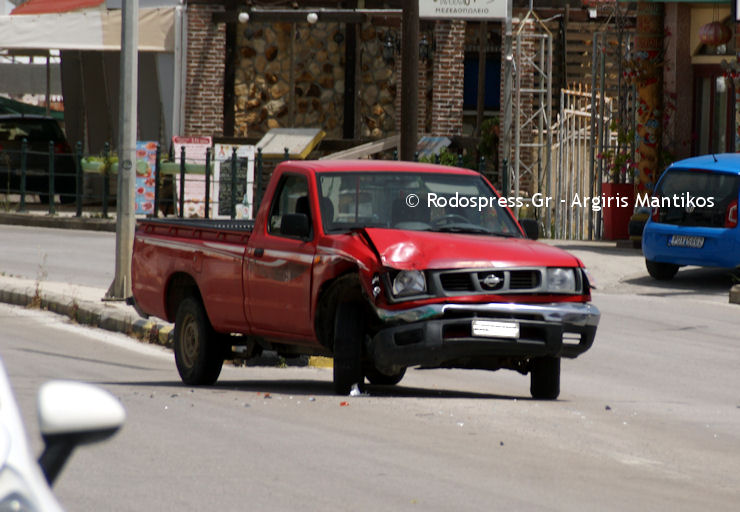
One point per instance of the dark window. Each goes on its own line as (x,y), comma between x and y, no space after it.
(493,82)
(292,197)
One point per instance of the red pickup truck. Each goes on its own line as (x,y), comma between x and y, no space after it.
(382,265)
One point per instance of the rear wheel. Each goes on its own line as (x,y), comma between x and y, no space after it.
(661,271)
(199,355)
(377,377)
(349,333)
(545,378)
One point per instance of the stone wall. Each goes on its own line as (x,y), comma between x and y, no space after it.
(378,84)
(315,63)
(271,57)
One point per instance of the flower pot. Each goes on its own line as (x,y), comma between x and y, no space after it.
(619,201)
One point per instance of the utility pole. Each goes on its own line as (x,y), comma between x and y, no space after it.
(409,79)
(120,289)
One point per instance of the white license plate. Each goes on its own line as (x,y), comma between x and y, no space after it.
(696,242)
(491,329)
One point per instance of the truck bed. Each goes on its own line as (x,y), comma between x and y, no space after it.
(221,230)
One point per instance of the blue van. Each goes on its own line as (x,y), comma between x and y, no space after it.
(693,217)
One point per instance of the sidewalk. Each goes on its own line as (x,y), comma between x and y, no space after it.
(84,305)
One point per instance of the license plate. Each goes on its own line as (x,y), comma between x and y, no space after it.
(491,329)
(696,242)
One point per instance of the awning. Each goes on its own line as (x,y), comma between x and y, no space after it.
(95,28)
(48,6)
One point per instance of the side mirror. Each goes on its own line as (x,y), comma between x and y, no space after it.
(295,224)
(531,228)
(72,414)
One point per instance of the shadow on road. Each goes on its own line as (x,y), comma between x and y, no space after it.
(307,388)
(690,280)
(598,248)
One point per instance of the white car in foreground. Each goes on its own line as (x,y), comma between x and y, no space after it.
(70,414)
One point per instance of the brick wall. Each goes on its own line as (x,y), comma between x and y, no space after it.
(204,87)
(449,74)
(421,93)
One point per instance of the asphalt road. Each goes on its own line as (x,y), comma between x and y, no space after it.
(85,258)
(647,420)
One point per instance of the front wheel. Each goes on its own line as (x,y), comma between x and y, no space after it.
(545,378)
(199,355)
(379,378)
(349,333)
(661,271)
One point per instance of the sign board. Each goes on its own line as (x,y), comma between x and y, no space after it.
(464,9)
(299,142)
(222,180)
(195,184)
(429,146)
(145,176)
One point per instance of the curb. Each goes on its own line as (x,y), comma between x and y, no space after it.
(92,314)
(735,294)
(58,221)
(155,332)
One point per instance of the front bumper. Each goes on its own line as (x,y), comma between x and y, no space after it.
(440,335)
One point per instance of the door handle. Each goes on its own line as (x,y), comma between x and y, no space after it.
(259,252)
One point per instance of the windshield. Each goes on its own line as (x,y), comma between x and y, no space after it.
(414,201)
(699,197)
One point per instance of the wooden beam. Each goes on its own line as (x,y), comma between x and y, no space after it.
(364,150)
(299,15)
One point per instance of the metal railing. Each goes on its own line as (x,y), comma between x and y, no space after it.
(179,186)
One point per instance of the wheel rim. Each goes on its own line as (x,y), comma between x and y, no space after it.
(189,341)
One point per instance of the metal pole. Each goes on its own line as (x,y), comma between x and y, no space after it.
(409,79)
(233,181)
(78,175)
(592,145)
(52,210)
(181,199)
(157,177)
(508,114)
(24,157)
(208,181)
(120,289)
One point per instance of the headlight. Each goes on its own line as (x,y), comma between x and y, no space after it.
(409,282)
(561,280)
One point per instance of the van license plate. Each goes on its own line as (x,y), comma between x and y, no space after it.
(491,329)
(696,242)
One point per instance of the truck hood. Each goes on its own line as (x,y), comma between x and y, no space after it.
(407,250)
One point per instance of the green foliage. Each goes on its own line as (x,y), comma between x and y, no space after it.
(447,157)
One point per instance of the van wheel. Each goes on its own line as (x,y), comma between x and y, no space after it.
(545,378)
(377,377)
(199,355)
(661,271)
(349,332)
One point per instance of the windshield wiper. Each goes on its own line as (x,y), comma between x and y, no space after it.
(463,229)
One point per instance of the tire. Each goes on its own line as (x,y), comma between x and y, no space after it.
(198,354)
(376,377)
(661,271)
(545,378)
(349,333)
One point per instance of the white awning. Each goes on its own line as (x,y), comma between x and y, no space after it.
(89,29)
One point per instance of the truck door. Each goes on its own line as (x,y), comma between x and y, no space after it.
(280,266)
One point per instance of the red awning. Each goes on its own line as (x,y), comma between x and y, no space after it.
(50,6)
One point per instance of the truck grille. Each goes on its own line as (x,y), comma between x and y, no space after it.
(457,282)
(487,281)
(524,279)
